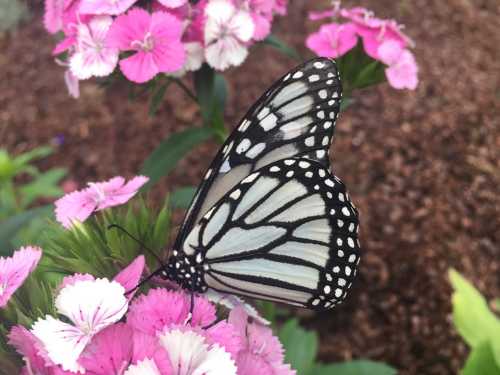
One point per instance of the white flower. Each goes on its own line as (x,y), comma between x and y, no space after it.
(91,305)
(92,56)
(191,355)
(227,30)
(145,367)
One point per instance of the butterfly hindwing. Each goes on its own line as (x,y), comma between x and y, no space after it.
(294,118)
(285,233)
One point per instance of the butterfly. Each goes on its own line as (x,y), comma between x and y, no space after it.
(269,220)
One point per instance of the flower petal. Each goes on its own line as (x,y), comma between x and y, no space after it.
(130,276)
(144,367)
(190,354)
(110,351)
(129,27)
(76,206)
(116,192)
(27,345)
(92,304)
(15,269)
(63,342)
(112,7)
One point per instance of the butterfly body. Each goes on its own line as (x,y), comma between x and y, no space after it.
(270,221)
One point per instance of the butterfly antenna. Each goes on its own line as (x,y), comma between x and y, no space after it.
(111,226)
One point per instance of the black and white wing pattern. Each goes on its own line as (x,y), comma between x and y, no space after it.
(294,118)
(285,233)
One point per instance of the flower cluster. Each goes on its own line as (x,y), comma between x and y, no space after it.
(383,40)
(101,330)
(170,36)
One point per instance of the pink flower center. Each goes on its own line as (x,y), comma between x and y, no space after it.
(147,44)
(100,196)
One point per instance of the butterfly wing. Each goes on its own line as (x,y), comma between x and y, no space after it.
(285,233)
(295,117)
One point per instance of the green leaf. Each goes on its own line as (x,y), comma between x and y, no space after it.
(36,153)
(164,158)
(370,75)
(9,227)
(359,367)
(44,185)
(301,346)
(481,361)
(181,198)
(275,42)
(473,319)
(157,97)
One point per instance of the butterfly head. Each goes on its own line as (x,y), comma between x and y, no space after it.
(186,270)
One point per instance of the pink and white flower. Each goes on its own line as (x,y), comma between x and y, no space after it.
(402,71)
(172,3)
(79,205)
(155,39)
(333,40)
(92,55)
(227,33)
(111,7)
(15,269)
(191,354)
(91,306)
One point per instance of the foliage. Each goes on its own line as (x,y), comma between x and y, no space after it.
(477,325)
(21,185)
(301,349)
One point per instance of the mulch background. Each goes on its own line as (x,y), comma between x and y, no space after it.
(423,167)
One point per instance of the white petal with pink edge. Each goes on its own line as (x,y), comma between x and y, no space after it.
(145,367)
(191,355)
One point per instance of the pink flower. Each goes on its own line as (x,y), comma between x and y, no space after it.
(333,40)
(262,16)
(262,352)
(227,31)
(15,269)
(91,306)
(375,31)
(280,7)
(79,205)
(119,349)
(111,7)
(27,345)
(155,39)
(92,56)
(402,72)
(160,308)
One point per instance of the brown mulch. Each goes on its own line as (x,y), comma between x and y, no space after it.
(423,167)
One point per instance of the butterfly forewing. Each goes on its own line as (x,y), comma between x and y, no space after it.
(295,117)
(285,233)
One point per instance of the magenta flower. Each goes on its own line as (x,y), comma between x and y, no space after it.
(130,276)
(227,33)
(262,353)
(119,349)
(111,7)
(261,12)
(375,31)
(159,308)
(79,205)
(53,17)
(402,71)
(92,55)
(15,269)
(155,39)
(333,40)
